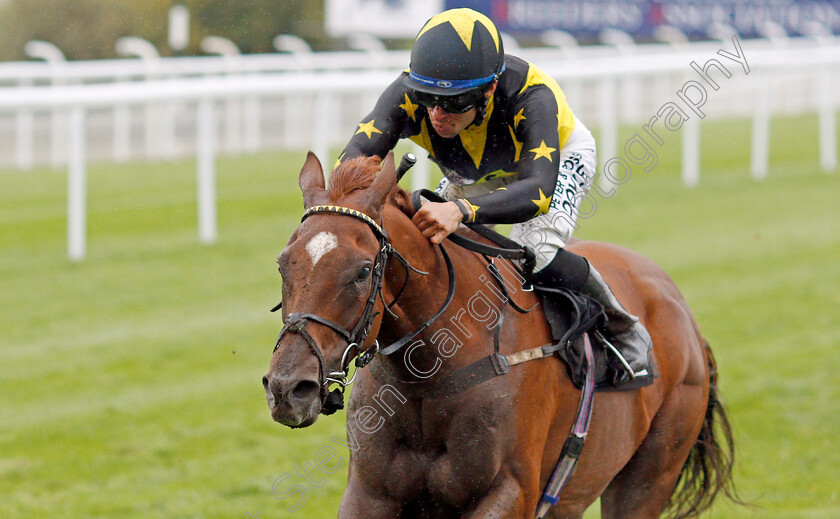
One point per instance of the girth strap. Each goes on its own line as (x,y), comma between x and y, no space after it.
(472,375)
(574,444)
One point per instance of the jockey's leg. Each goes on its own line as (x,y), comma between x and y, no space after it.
(548,235)
(628,337)
(444,189)
(566,270)
(625,333)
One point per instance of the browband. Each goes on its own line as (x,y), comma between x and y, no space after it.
(345,210)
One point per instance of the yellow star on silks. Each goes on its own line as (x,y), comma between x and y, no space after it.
(338,162)
(409,107)
(543,151)
(367,128)
(463,21)
(518,117)
(516,144)
(543,203)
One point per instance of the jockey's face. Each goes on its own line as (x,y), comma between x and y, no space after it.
(448,125)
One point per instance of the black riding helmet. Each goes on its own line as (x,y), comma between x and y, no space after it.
(456,56)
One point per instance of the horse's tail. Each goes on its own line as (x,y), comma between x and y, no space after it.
(708,469)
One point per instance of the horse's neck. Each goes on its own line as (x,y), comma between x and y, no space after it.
(466,322)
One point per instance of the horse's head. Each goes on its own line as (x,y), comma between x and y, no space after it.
(331,269)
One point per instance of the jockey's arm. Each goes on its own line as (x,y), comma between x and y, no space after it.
(518,201)
(534,118)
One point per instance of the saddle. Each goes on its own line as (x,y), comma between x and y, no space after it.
(570,315)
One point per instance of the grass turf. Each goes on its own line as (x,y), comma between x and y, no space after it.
(130,382)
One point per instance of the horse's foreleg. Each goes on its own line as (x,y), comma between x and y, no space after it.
(505,500)
(357,503)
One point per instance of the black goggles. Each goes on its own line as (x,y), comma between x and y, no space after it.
(456,104)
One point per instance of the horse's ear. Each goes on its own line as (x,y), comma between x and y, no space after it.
(311,180)
(383,184)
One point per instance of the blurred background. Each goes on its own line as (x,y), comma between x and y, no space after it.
(149,153)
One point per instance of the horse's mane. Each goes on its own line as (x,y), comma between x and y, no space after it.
(358,174)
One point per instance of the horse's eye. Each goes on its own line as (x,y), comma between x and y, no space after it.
(363,274)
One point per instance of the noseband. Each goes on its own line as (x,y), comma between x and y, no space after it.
(358,335)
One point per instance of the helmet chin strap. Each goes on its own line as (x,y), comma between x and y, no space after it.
(481,110)
(480,113)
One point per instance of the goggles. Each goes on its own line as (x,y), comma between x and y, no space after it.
(453,104)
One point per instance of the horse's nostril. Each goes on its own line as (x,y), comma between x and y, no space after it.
(265,383)
(305,390)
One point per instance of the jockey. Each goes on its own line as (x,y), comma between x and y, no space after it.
(511,151)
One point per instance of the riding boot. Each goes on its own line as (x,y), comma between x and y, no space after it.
(626,337)
(628,341)
(566,270)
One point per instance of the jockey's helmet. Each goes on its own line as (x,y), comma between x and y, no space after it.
(456,57)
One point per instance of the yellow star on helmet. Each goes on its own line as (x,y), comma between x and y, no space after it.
(367,128)
(543,203)
(463,21)
(543,151)
(409,107)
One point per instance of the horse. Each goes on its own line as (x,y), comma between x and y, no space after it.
(486,450)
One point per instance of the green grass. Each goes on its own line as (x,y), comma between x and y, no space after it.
(130,382)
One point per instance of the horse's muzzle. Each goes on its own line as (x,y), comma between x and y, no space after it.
(293,402)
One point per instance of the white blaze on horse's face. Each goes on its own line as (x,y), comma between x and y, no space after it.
(322,243)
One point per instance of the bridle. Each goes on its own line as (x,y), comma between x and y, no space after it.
(357,336)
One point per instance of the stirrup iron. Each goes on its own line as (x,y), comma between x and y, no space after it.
(619,356)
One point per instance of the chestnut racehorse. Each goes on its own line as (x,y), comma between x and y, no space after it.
(486,451)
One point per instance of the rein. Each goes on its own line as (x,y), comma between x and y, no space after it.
(357,337)
(505,247)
